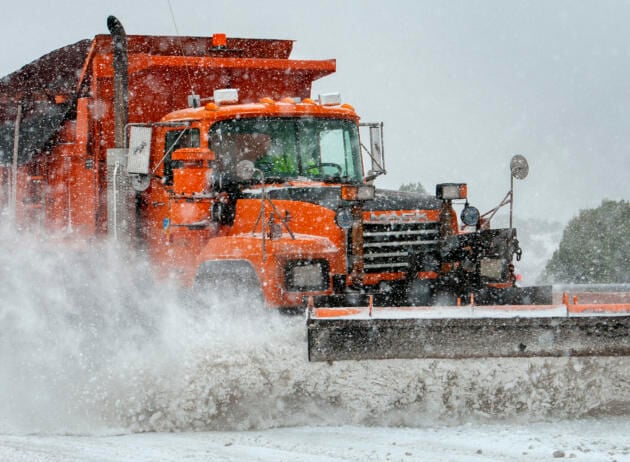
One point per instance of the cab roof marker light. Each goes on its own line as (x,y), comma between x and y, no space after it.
(219,41)
(330,99)
(226,96)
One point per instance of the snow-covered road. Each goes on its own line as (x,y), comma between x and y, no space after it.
(97,366)
(589,440)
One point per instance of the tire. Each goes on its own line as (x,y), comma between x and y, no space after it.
(420,293)
(232,284)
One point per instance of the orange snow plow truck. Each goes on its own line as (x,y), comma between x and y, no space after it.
(209,155)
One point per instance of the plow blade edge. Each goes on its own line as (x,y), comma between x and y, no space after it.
(332,339)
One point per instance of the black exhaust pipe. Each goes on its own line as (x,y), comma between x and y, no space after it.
(121,69)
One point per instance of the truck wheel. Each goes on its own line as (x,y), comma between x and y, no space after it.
(232,284)
(444,298)
(229,291)
(420,293)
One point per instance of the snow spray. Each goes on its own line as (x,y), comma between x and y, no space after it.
(90,343)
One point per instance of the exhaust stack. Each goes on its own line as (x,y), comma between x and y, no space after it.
(121,94)
(121,213)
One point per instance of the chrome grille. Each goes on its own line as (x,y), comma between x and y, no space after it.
(393,247)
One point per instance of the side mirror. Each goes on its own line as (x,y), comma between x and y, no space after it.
(138,157)
(519,167)
(139,150)
(376,151)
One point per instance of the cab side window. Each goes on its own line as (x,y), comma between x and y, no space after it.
(178,139)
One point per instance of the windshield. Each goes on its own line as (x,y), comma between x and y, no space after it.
(318,149)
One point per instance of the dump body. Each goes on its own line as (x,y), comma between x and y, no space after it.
(66,123)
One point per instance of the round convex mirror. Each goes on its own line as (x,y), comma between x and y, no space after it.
(245,170)
(140,182)
(519,167)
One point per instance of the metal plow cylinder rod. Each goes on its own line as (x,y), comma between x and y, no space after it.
(336,334)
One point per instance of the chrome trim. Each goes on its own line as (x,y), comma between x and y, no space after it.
(402,232)
(386,265)
(387,254)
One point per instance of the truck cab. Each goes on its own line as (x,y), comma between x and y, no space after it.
(274,194)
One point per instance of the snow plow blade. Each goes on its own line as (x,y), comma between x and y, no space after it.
(356,333)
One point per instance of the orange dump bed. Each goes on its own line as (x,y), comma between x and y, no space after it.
(62,105)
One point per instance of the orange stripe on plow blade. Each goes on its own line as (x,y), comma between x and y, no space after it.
(336,312)
(611,308)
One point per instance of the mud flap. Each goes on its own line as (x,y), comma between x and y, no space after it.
(356,339)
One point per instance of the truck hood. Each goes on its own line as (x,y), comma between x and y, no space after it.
(330,197)
(397,200)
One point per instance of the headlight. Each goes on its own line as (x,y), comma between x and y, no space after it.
(306,275)
(364,192)
(470,215)
(451,191)
(344,218)
(492,268)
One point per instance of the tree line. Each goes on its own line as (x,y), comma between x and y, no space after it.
(595,247)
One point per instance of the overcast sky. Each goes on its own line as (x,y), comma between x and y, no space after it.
(461,85)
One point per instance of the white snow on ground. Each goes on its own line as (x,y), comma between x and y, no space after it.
(583,440)
(98,364)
